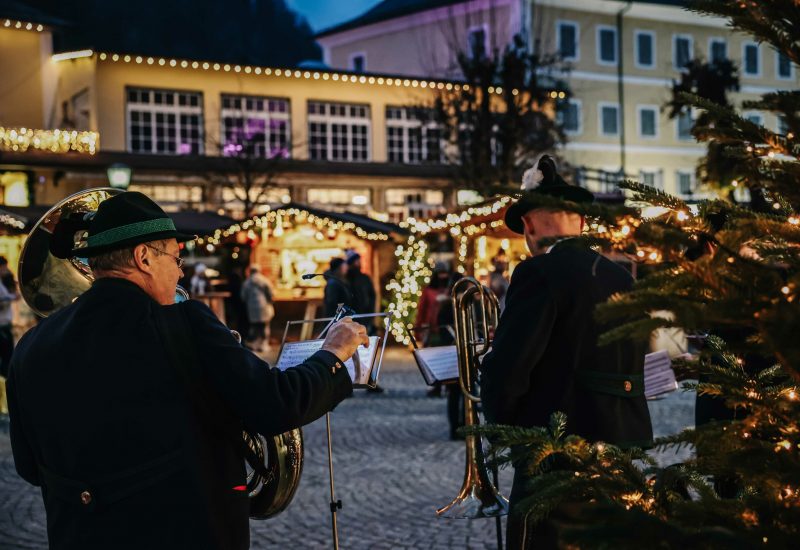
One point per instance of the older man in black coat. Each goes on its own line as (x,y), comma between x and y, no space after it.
(545,356)
(107,426)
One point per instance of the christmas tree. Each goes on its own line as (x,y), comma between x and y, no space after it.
(729,274)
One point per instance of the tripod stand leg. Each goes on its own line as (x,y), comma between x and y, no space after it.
(335,504)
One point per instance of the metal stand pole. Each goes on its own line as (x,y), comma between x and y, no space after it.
(335,504)
(497,519)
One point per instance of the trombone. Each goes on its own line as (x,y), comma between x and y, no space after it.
(476,313)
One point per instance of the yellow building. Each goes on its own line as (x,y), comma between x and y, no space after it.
(623,56)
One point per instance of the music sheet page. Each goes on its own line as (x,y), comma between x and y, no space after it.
(441,361)
(294,353)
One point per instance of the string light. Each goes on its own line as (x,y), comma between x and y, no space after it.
(54,141)
(22,25)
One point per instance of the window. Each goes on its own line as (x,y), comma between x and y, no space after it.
(645,42)
(477,42)
(567,37)
(783,125)
(172,197)
(681,51)
(717,50)
(783,67)
(402,204)
(609,119)
(755,118)
(684,180)
(358,62)
(751,59)
(652,178)
(351,199)
(338,131)
(255,126)
(164,122)
(685,123)
(569,116)
(648,121)
(413,136)
(606,45)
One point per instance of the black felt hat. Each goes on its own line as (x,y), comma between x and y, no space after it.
(542,179)
(126,220)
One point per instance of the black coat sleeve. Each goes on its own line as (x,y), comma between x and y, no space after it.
(519,342)
(267,400)
(24,460)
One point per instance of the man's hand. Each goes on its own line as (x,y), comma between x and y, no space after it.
(344,337)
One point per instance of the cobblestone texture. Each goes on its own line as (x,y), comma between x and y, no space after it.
(394,465)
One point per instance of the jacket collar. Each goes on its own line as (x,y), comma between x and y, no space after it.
(118,285)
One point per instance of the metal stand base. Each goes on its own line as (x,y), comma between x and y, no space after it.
(334,504)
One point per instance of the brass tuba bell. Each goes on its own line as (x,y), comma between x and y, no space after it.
(50,279)
(475,311)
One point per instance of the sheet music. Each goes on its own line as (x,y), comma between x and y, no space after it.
(441,362)
(659,378)
(294,353)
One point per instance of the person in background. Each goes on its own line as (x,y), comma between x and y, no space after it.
(498,278)
(426,323)
(257,296)
(336,289)
(8,293)
(362,289)
(199,284)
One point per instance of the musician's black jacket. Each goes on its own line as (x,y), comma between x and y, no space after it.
(545,357)
(95,406)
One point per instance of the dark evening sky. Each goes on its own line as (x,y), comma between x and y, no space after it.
(325,13)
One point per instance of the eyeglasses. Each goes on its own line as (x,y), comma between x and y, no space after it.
(178,259)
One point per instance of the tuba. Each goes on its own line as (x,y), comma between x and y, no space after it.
(49,279)
(476,312)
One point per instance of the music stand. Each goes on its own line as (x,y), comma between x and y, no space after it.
(373,381)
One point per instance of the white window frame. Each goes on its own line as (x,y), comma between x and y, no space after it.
(657,111)
(748,114)
(759,62)
(658,173)
(714,40)
(351,58)
(579,104)
(777,69)
(692,182)
(653,53)
(600,106)
(675,38)
(598,31)
(677,129)
(482,27)
(348,120)
(577,28)
(266,115)
(154,109)
(406,124)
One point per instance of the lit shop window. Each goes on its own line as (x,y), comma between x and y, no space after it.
(171,197)
(402,204)
(14,189)
(255,126)
(339,131)
(413,136)
(164,122)
(358,200)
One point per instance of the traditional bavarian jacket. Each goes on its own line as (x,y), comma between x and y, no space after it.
(545,356)
(106,426)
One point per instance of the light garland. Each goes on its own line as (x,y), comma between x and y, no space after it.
(405,287)
(54,141)
(275,218)
(297,74)
(22,25)
(12,221)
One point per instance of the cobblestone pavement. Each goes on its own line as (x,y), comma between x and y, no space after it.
(394,465)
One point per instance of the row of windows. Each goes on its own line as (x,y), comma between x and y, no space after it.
(647,120)
(645,55)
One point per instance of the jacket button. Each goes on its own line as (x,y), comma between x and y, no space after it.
(628,386)
(86,497)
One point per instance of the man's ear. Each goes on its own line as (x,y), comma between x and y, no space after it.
(527,222)
(142,257)
(583,223)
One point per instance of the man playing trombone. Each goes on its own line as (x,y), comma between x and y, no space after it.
(545,356)
(131,452)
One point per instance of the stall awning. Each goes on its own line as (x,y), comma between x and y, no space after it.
(364,222)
